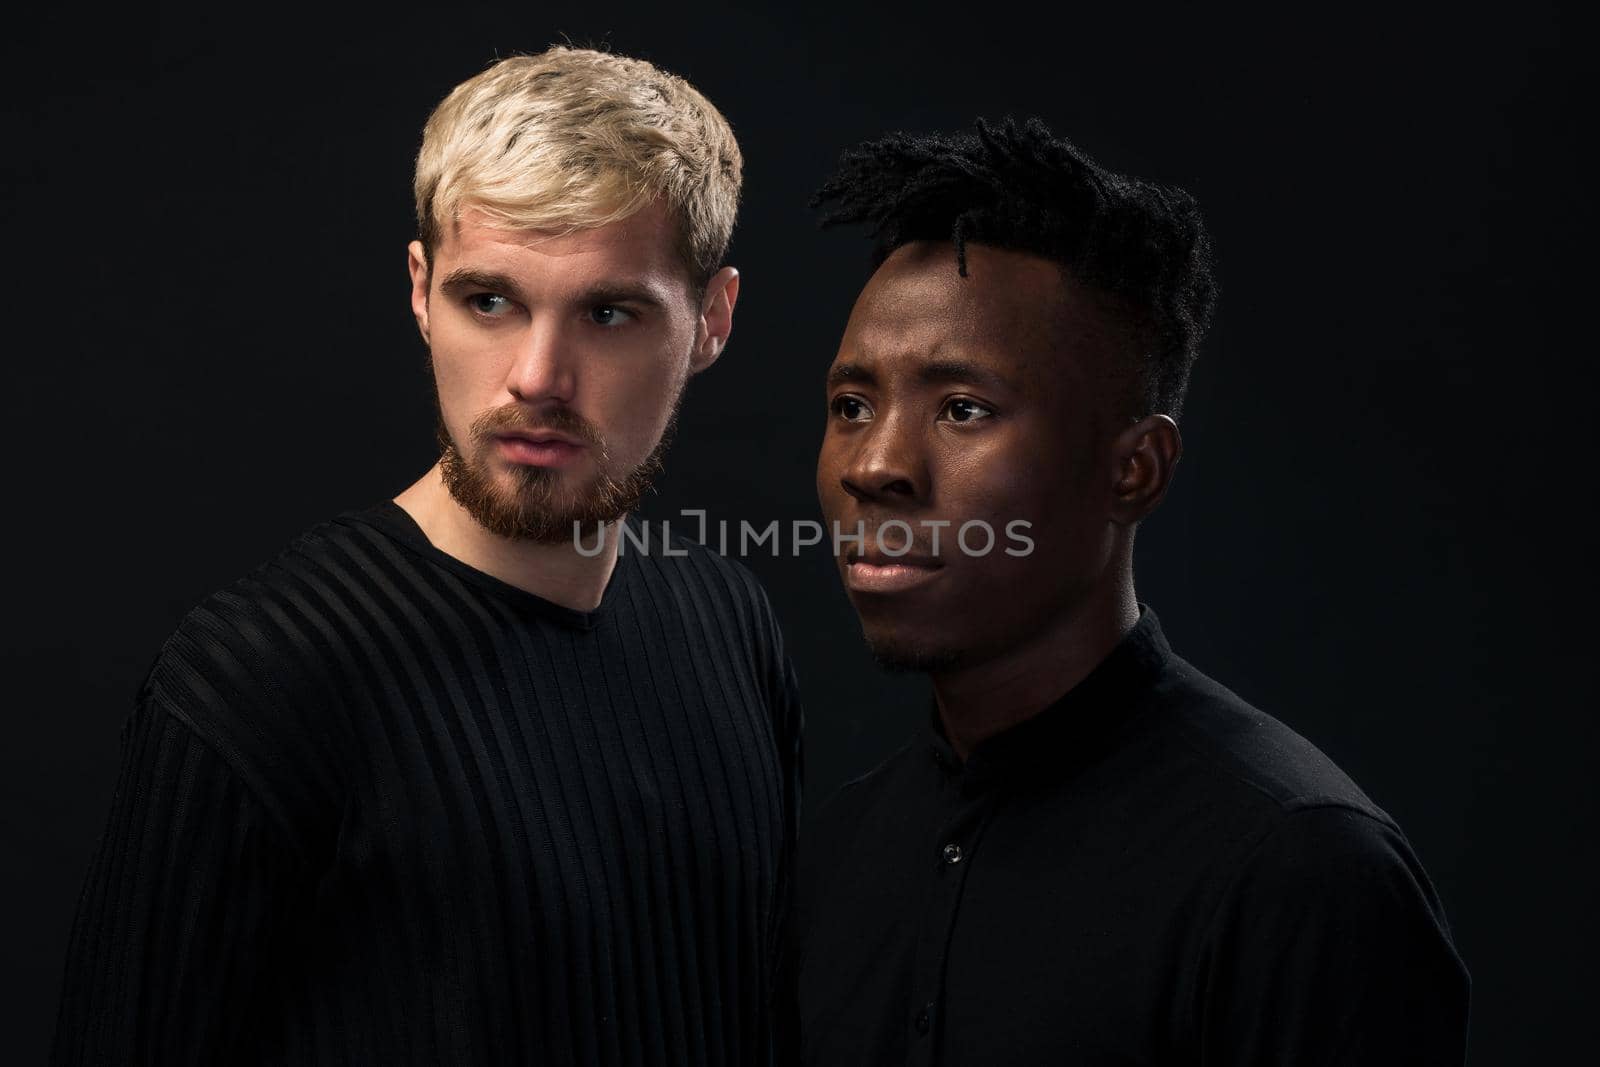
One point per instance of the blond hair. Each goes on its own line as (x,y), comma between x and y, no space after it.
(574,138)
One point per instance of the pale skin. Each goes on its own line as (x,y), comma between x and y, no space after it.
(602,321)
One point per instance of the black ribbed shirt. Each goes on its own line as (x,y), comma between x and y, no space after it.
(1149,871)
(377,806)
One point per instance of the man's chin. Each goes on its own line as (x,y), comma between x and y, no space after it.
(903,654)
(543,521)
(532,505)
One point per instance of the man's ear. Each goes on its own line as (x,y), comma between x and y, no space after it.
(1146,457)
(716,319)
(417,264)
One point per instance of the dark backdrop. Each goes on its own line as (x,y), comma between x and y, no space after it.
(1374,533)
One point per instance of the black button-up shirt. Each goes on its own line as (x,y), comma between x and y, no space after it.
(1150,871)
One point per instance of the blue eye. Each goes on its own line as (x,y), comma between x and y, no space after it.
(609,315)
(489,305)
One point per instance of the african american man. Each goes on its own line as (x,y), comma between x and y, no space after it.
(1094,854)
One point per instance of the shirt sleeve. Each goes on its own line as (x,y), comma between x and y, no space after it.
(1331,948)
(186,894)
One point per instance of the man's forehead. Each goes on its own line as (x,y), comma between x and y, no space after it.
(633,252)
(916,351)
(1010,313)
(644,238)
(897,338)
(932,268)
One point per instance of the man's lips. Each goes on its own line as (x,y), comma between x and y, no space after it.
(540,437)
(879,572)
(539,448)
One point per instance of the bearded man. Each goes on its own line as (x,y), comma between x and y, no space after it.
(434,785)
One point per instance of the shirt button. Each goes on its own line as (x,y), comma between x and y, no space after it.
(923,1021)
(952,853)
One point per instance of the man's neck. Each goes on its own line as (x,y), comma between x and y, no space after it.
(558,572)
(979,701)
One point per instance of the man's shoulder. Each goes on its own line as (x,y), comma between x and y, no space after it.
(1232,749)
(272,637)
(1281,818)
(262,669)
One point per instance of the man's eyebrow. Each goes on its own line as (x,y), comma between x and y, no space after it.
(841,373)
(470,280)
(933,372)
(622,293)
(465,280)
(943,371)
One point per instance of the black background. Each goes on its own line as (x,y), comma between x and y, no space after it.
(1377,532)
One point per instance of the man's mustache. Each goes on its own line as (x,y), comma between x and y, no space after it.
(889,536)
(561,419)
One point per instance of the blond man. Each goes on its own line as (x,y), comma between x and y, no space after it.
(443,782)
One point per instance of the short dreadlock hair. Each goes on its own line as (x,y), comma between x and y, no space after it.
(1018,186)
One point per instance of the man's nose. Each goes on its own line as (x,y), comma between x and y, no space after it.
(889,462)
(544,367)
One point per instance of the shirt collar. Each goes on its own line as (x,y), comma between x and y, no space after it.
(1071,731)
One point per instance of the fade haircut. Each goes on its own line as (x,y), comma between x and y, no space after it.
(1018,186)
(573,138)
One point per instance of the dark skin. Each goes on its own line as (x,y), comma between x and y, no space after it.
(996,397)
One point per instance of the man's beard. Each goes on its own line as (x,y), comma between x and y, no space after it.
(538,507)
(905,658)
